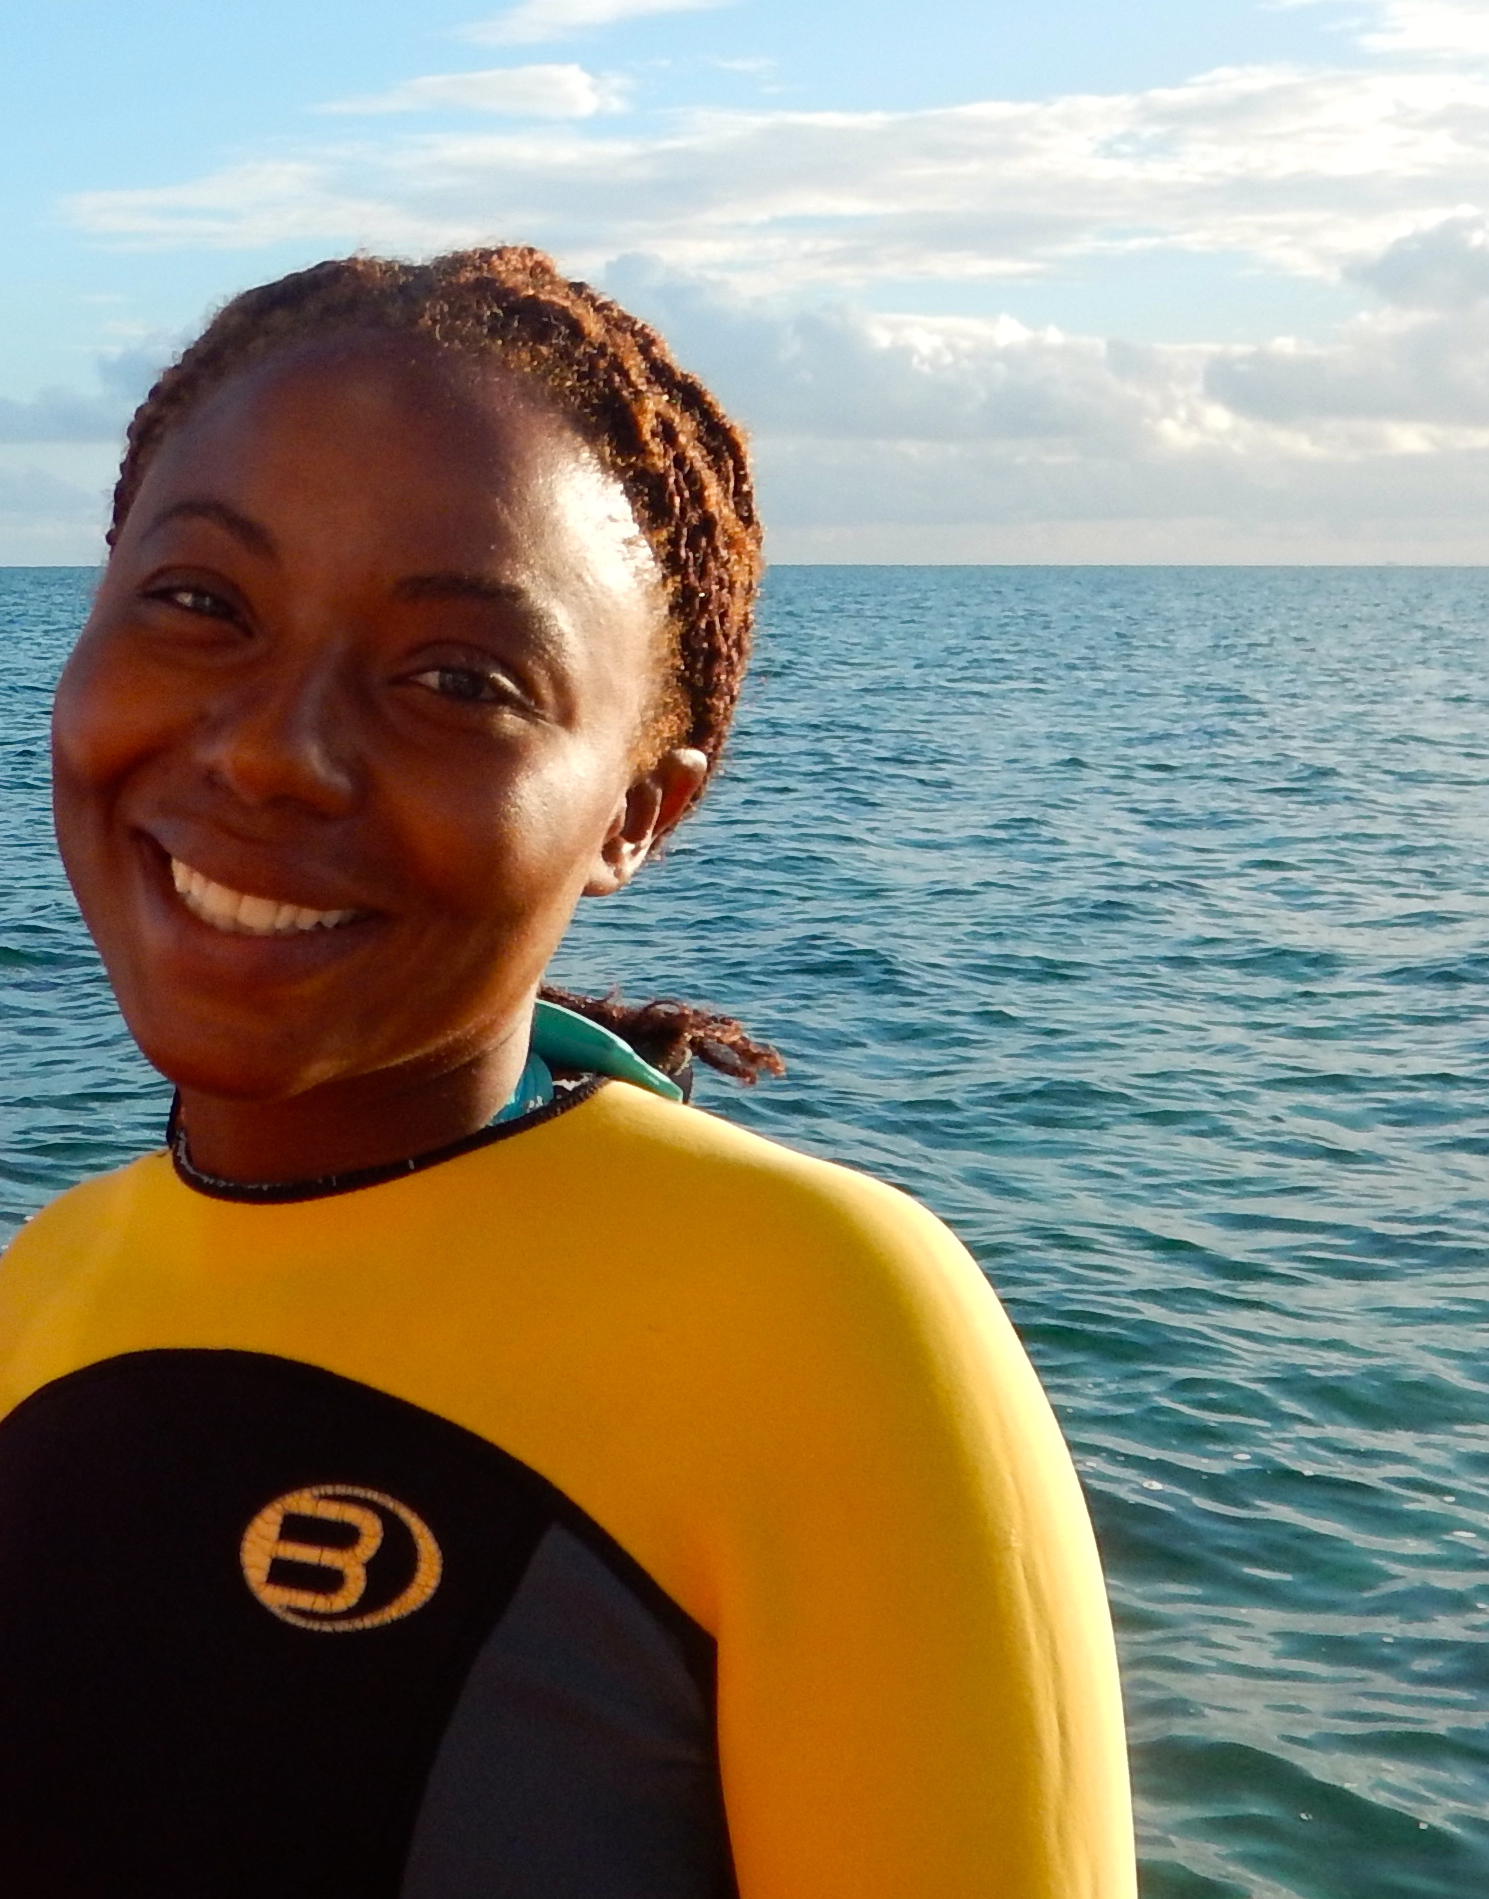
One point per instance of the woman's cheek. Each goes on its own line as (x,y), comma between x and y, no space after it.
(106,718)
(530,841)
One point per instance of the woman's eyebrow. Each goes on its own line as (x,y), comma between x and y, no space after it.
(544,631)
(466,586)
(256,538)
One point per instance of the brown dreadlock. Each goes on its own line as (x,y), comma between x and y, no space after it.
(680,460)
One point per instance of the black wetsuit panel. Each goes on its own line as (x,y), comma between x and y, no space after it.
(257,1619)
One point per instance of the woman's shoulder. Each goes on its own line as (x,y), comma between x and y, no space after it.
(90,1203)
(683,1161)
(772,1243)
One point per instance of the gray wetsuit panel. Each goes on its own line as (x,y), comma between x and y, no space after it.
(580,1761)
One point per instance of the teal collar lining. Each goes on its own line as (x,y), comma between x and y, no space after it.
(563,1039)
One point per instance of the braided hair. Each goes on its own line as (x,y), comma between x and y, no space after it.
(680,460)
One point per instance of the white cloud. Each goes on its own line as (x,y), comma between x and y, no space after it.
(1459,27)
(259,203)
(72,415)
(541,92)
(47,522)
(537,20)
(897,436)
(1418,370)
(33,493)
(756,239)
(1304,172)
(1414,387)
(844,373)
(1394,384)
(1442,266)
(60,415)
(974,507)
(909,437)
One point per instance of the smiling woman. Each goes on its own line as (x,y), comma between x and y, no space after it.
(380,641)
(543,461)
(692,1519)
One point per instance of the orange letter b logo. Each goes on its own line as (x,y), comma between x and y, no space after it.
(285,1572)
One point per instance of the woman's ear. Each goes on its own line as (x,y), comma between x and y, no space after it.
(652,805)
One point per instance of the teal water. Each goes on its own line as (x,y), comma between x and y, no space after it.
(1138,921)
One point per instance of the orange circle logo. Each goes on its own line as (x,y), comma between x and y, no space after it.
(337,1557)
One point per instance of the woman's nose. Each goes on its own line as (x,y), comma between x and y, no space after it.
(286,739)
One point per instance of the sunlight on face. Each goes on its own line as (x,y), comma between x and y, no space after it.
(373,653)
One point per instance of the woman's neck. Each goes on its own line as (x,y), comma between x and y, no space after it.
(346,1125)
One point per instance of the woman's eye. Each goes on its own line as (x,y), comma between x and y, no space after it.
(469,684)
(196,600)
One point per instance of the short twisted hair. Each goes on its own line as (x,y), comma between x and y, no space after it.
(680,460)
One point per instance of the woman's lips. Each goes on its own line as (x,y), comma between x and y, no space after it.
(239,914)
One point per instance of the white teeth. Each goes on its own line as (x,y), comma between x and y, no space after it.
(257,914)
(242,915)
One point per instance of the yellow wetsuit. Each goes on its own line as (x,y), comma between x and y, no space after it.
(618,1505)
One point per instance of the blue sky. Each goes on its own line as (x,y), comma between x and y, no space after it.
(1090,281)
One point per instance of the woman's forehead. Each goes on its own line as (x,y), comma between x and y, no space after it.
(394,444)
(395,399)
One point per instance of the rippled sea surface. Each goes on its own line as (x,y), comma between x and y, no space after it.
(1138,921)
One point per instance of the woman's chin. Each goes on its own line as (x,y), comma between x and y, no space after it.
(236,1069)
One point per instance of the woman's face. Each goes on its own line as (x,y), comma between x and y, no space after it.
(357,719)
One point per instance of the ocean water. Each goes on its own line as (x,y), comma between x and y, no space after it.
(1138,921)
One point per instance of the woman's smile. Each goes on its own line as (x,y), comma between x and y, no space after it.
(243,915)
(248,935)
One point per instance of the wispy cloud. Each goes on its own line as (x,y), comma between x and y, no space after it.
(1455,28)
(1431,26)
(908,437)
(61,415)
(49,521)
(539,92)
(766,235)
(1441,266)
(1395,382)
(1306,172)
(1413,376)
(259,203)
(99,415)
(533,21)
(32,497)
